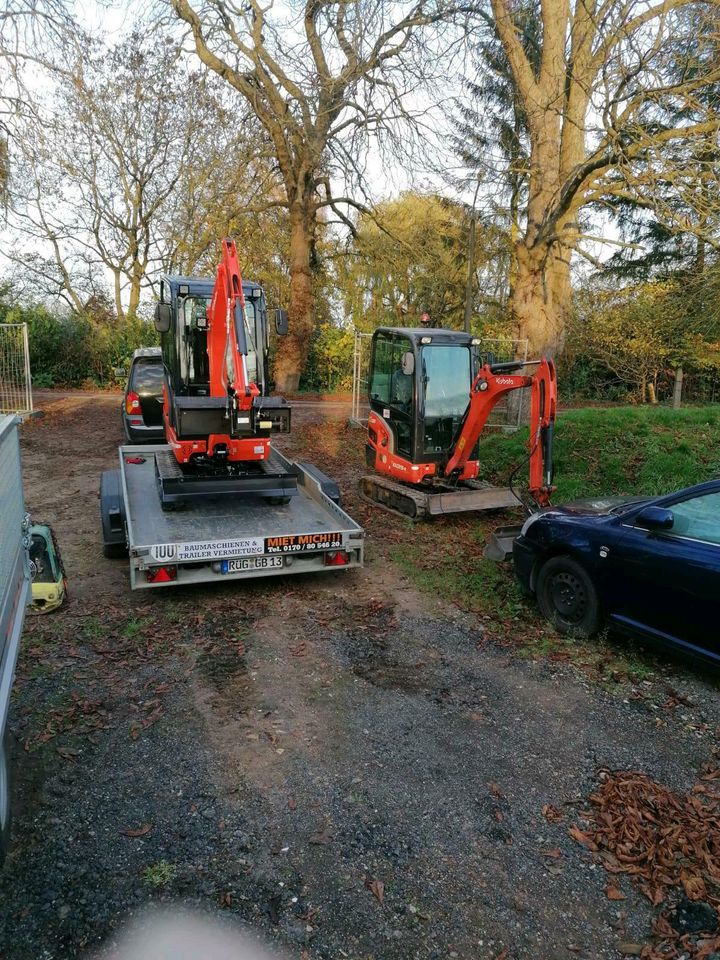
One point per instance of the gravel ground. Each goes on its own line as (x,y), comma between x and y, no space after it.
(345,766)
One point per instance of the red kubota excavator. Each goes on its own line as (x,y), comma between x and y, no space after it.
(217,420)
(431,393)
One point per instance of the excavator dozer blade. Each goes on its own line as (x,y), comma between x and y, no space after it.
(500,544)
(416,503)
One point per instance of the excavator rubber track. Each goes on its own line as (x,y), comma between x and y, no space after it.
(417,504)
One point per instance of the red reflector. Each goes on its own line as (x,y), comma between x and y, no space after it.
(161,574)
(132,403)
(337,558)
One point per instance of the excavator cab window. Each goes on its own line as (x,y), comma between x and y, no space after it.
(194,364)
(392,389)
(446,381)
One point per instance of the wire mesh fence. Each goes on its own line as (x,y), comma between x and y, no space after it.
(507,415)
(15,380)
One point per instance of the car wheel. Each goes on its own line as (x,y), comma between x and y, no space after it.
(5,796)
(568,598)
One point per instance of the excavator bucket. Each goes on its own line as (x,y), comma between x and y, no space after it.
(500,544)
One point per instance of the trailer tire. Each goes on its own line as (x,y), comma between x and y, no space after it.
(5,796)
(115,551)
(112,515)
(567,597)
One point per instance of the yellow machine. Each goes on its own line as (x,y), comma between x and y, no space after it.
(49,585)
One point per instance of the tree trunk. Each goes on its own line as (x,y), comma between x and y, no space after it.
(541,299)
(293,349)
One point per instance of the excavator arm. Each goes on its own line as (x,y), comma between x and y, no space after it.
(226,337)
(489,387)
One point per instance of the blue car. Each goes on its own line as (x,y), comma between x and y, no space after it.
(647,567)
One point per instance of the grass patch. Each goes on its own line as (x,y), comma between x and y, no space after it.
(621,450)
(159,874)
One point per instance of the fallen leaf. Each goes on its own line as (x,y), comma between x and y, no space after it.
(630,949)
(225,900)
(587,841)
(554,853)
(137,831)
(612,893)
(551,813)
(292,803)
(376,888)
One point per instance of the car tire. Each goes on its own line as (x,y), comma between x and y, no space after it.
(5,796)
(568,598)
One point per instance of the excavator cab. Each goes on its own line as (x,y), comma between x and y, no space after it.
(181,319)
(419,383)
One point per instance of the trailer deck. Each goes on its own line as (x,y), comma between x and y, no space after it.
(230,537)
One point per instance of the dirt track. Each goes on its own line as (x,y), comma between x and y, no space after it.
(342,763)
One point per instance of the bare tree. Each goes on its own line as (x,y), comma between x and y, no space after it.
(32,33)
(323,85)
(99,166)
(596,108)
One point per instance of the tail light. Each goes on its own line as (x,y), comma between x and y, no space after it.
(337,558)
(132,403)
(161,574)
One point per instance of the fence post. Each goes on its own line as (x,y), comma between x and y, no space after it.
(677,391)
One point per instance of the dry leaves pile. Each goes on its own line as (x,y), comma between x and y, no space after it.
(666,841)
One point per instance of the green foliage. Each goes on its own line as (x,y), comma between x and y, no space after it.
(411,256)
(330,362)
(638,334)
(159,874)
(618,450)
(76,349)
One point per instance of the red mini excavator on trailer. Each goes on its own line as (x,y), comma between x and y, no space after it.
(217,420)
(431,393)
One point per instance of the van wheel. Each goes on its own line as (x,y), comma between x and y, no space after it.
(567,597)
(5,796)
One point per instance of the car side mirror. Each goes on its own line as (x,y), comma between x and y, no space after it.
(408,363)
(281,322)
(655,518)
(163,316)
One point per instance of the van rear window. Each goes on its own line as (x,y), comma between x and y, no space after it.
(147,376)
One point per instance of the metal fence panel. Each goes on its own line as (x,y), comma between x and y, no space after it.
(15,380)
(14,579)
(507,415)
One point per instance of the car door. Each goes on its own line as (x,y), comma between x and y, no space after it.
(667,582)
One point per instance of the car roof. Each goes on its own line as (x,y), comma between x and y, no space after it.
(148,353)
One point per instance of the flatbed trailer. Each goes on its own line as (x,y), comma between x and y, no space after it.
(227,537)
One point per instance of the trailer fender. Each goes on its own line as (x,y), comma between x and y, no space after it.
(329,487)
(112,514)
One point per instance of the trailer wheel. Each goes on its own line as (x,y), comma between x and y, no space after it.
(5,796)
(568,598)
(115,551)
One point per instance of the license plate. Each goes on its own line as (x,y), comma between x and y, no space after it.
(251,563)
